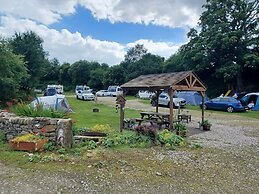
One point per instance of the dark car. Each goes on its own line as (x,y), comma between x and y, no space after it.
(228,104)
(50,92)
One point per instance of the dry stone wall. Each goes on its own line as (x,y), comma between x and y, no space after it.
(55,130)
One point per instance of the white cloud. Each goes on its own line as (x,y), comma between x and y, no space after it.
(42,11)
(163,49)
(64,45)
(172,13)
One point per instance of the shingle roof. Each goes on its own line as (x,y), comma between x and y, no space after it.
(162,81)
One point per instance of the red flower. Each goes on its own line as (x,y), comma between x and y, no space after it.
(43,130)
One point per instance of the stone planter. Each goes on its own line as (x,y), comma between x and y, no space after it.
(30,146)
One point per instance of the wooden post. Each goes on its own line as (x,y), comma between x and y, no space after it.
(171,118)
(121,116)
(157,98)
(202,106)
(121,101)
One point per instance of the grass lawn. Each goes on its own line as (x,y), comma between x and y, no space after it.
(85,117)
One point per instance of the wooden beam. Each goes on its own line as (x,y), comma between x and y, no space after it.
(187,81)
(183,87)
(193,82)
(171,117)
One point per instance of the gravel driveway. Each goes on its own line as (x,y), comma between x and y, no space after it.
(228,163)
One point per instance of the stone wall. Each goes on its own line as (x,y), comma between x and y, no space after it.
(58,131)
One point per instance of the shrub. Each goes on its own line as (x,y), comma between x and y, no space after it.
(103,128)
(168,138)
(22,109)
(127,138)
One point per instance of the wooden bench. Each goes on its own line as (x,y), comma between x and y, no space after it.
(185,117)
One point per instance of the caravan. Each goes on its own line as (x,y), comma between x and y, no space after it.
(114,90)
(58,88)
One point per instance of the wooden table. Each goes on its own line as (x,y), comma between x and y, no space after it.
(158,118)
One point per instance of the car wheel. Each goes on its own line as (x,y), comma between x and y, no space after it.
(153,103)
(205,107)
(230,109)
(77,97)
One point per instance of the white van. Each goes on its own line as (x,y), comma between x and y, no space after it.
(114,90)
(58,88)
(81,88)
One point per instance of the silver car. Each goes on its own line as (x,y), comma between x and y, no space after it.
(164,100)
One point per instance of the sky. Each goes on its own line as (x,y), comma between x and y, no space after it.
(102,30)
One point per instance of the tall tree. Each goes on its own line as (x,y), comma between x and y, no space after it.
(227,43)
(29,44)
(135,53)
(13,71)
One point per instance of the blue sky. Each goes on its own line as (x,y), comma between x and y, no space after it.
(84,22)
(102,30)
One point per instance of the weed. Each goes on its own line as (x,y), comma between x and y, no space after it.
(2,137)
(34,158)
(61,151)
(49,146)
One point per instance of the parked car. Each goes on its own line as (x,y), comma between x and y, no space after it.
(85,95)
(228,104)
(50,92)
(144,94)
(102,93)
(164,99)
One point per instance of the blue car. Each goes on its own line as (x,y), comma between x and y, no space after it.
(228,104)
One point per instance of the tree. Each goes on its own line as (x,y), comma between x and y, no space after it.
(80,72)
(13,71)
(135,53)
(174,63)
(227,44)
(29,44)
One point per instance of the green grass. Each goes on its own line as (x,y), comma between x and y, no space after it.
(85,117)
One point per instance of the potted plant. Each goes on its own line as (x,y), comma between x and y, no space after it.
(28,142)
(206,125)
(181,129)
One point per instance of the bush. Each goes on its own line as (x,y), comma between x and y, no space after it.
(22,109)
(103,128)
(170,139)
(127,138)
(147,130)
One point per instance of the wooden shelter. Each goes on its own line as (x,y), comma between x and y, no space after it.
(180,81)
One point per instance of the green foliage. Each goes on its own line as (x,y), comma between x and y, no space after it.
(34,158)
(13,72)
(170,139)
(135,53)
(91,145)
(227,44)
(127,138)
(76,130)
(29,44)
(23,109)
(49,146)
(103,128)
(61,150)
(206,123)
(2,137)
